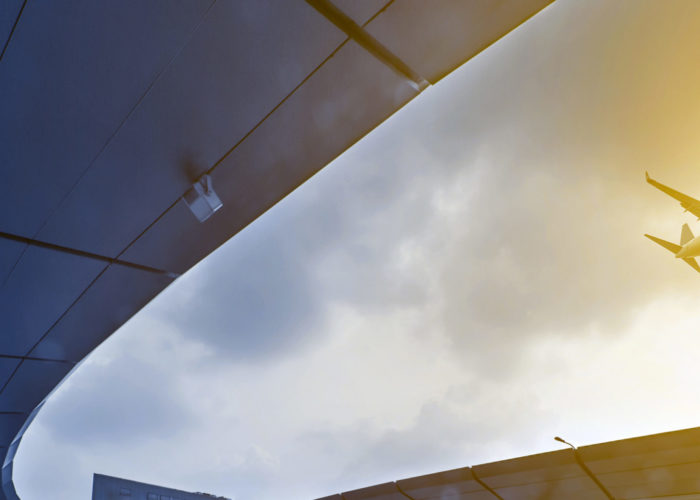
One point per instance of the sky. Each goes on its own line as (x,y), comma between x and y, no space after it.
(466,282)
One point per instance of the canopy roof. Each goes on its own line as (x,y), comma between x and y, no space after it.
(658,466)
(111,110)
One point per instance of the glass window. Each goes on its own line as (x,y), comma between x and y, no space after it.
(152,496)
(124,492)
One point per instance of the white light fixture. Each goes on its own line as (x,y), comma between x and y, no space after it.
(202,199)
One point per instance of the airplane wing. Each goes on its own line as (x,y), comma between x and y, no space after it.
(675,249)
(689,203)
(692,263)
(671,247)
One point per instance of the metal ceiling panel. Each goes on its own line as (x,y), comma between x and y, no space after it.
(386,491)
(457,484)
(60,103)
(40,289)
(89,322)
(663,464)
(674,497)
(654,482)
(580,488)
(31,383)
(243,60)
(10,423)
(415,30)
(7,367)
(350,94)
(10,252)
(361,12)
(9,9)
(546,475)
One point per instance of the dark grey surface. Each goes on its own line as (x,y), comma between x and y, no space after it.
(415,30)
(71,74)
(114,488)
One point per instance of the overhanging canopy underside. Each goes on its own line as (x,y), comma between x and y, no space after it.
(110,110)
(658,466)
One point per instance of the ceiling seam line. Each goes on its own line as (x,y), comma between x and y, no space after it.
(82,253)
(255,127)
(128,115)
(590,474)
(53,325)
(276,107)
(12,31)
(240,141)
(12,375)
(2,54)
(119,127)
(34,358)
(484,485)
(403,492)
(376,14)
(365,40)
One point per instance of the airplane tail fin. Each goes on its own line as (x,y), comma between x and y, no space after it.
(686,234)
(672,247)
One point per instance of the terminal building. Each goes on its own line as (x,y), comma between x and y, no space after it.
(115,488)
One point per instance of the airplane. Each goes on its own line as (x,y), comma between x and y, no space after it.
(690,245)
(687,250)
(688,203)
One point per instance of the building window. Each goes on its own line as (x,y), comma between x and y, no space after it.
(124,492)
(152,496)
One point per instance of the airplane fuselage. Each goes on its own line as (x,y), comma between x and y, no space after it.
(690,249)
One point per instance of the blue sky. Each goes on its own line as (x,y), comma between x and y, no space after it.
(463,284)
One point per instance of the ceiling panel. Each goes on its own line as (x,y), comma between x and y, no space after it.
(116,296)
(10,252)
(7,367)
(654,481)
(444,484)
(32,381)
(60,103)
(579,487)
(386,491)
(42,287)
(223,83)
(360,12)
(543,476)
(530,469)
(415,30)
(8,13)
(350,95)
(10,423)
(662,464)
(684,453)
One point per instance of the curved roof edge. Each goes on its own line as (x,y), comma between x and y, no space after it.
(84,250)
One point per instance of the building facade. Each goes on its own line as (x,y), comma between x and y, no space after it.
(114,488)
